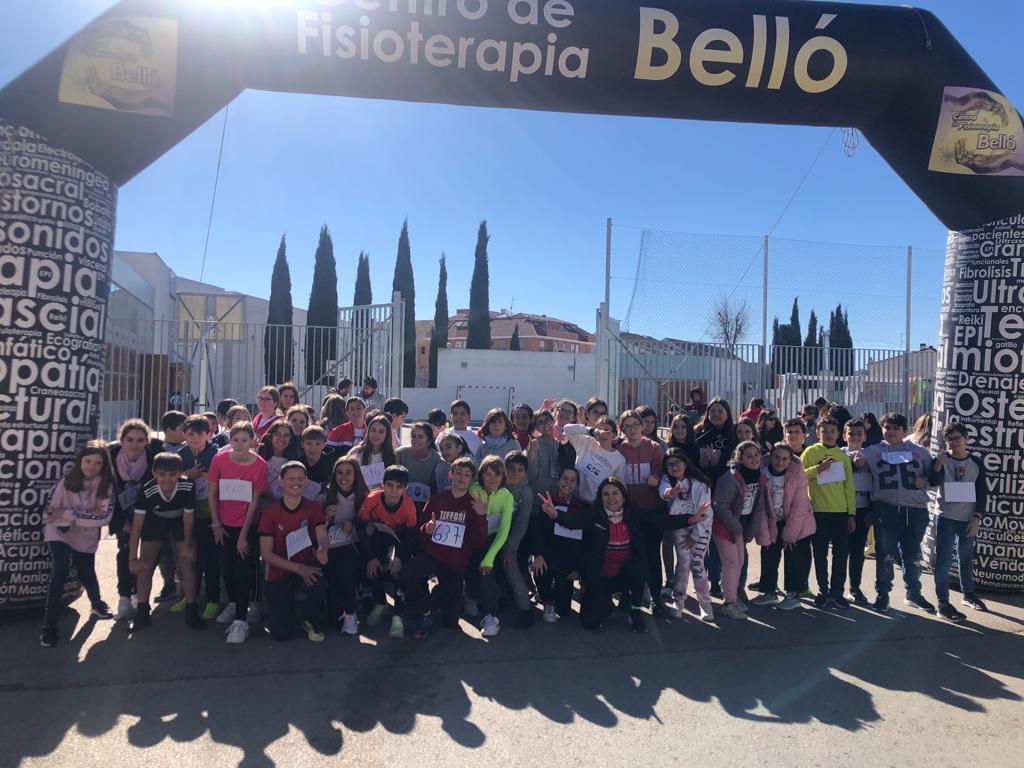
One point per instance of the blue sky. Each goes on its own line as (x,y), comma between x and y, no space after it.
(545,183)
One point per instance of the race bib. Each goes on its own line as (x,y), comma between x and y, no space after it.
(449,534)
(373,474)
(297,542)
(235,490)
(862,482)
(683,507)
(339,538)
(127,497)
(898,457)
(418,492)
(962,492)
(834,474)
(202,486)
(568,533)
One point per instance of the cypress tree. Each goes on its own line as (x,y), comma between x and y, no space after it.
(404,284)
(513,344)
(439,331)
(793,331)
(278,364)
(812,331)
(478,335)
(364,293)
(362,323)
(322,317)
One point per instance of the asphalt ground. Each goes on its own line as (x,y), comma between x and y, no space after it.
(801,688)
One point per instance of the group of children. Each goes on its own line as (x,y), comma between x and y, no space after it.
(313,520)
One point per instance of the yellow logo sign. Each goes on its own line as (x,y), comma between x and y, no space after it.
(126,64)
(979,133)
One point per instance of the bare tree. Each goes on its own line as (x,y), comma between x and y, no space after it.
(729,322)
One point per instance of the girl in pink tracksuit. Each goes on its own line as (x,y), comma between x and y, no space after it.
(787,528)
(741,504)
(687,491)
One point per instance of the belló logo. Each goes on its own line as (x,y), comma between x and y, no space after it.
(125,64)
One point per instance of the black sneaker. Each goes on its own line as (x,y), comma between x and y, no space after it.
(839,602)
(636,620)
(169,592)
(101,610)
(821,600)
(859,598)
(141,618)
(971,600)
(716,591)
(657,608)
(49,637)
(192,618)
(422,625)
(950,613)
(881,604)
(918,601)
(525,620)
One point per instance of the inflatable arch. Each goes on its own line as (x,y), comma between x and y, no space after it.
(136,81)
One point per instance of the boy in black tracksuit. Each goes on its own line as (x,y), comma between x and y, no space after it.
(558,545)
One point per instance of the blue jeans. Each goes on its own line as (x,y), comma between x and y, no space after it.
(946,533)
(902,529)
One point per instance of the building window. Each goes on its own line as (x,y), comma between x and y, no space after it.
(423,350)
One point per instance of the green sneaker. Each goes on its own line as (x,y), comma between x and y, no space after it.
(376,615)
(211,611)
(179,606)
(806,593)
(313,633)
(397,627)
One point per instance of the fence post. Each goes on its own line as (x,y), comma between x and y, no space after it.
(907,345)
(764,319)
(397,346)
(608,264)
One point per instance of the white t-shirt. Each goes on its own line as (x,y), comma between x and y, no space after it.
(777,485)
(593,462)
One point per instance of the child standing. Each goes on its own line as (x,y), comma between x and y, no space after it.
(376,452)
(164,509)
(459,414)
(509,560)
(959,505)
(596,457)
(496,435)
(78,510)
(855,433)
(196,457)
(420,458)
(347,434)
(542,455)
(268,399)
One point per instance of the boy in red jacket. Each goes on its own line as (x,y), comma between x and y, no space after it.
(388,520)
(454,524)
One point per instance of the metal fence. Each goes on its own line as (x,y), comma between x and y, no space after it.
(660,373)
(187,364)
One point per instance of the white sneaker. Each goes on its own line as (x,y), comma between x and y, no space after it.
(471,608)
(255,613)
(350,624)
(238,632)
(707,612)
(766,598)
(550,616)
(490,626)
(788,603)
(124,609)
(227,615)
(733,611)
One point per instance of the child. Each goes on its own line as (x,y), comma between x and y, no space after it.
(496,435)
(515,471)
(522,424)
(345,496)
(796,435)
(78,509)
(481,583)
(746,429)
(740,505)
(596,457)
(237,478)
(288,395)
(375,452)
(438,422)
(396,410)
(278,446)
(558,545)
(293,544)
(196,456)
(649,418)
(542,455)
(455,525)
(769,430)
(344,436)
(220,435)
(459,413)
(165,508)
(959,505)
(389,517)
(830,484)
(268,400)
(899,474)
(452,447)
(420,458)
(688,491)
(594,410)
(855,433)
(312,454)
(791,537)
(172,424)
(332,412)
(809,415)
(298,419)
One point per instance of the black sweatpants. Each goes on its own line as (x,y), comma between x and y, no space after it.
(207,559)
(597,593)
(483,588)
(858,540)
(344,566)
(448,593)
(833,528)
(797,562)
(289,593)
(241,574)
(85,566)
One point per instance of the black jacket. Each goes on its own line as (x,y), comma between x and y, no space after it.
(561,550)
(121,515)
(595,537)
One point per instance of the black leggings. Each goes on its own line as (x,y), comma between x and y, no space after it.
(241,575)
(125,579)
(597,594)
(207,560)
(288,593)
(344,565)
(858,540)
(85,566)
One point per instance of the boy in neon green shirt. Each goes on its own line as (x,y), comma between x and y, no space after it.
(830,486)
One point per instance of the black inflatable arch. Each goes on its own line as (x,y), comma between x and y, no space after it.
(135,82)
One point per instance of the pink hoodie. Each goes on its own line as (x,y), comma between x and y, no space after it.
(797,507)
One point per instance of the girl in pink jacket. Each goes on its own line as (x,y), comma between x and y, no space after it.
(786,528)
